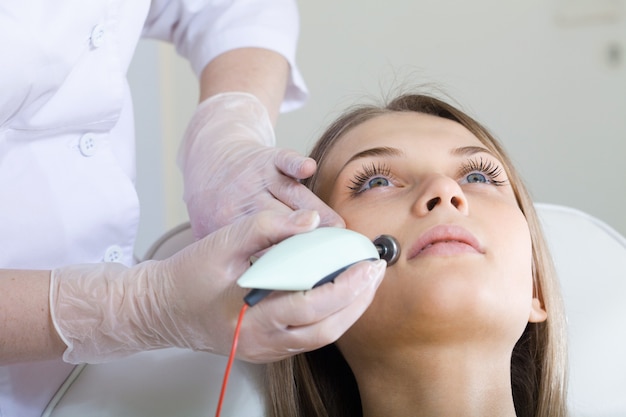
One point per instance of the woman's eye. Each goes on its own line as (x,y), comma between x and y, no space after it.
(371,176)
(476,177)
(482,171)
(378,182)
(368,184)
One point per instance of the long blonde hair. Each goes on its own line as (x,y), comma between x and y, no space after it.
(321,384)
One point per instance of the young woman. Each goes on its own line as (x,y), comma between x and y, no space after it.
(469,321)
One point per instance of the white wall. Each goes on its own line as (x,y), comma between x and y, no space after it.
(547,76)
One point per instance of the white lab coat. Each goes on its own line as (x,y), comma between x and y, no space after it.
(67,137)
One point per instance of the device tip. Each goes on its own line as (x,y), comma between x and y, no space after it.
(388,248)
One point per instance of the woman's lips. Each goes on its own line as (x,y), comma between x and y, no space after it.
(445,240)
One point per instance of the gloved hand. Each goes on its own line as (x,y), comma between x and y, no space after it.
(191,300)
(231,168)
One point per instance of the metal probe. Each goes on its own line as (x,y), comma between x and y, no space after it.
(388,248)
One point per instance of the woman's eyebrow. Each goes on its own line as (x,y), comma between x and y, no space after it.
(470,150)
(379,151)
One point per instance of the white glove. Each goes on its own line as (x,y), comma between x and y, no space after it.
(191,300)
(231,168)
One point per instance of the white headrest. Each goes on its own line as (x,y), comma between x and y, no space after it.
(590,258)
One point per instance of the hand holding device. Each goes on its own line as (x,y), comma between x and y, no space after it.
(105,311)
(230,141)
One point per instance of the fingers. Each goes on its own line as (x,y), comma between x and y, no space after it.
(313,306)
(294,194)
(267,180)
(294,165)
(297,196)
(304,321)
(257,232)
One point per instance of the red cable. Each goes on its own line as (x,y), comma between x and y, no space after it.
(231,358)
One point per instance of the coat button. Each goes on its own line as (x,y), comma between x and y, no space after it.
(97,36)
(113,254)
(88,144)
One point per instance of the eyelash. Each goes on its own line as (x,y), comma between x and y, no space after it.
(491,169)
(366,174)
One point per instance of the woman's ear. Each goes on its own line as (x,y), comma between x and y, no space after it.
(537,312)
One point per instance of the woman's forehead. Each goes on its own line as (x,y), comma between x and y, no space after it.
(403,130)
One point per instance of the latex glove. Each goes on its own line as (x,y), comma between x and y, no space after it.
(191,300)
(231,168)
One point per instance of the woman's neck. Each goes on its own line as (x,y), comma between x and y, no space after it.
(459,382)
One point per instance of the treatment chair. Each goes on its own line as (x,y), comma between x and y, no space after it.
(590,258)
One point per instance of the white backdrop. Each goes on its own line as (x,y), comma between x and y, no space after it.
(547,76)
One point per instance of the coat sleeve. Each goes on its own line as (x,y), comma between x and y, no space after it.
(204,29)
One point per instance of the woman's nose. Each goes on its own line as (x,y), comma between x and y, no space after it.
(440,192)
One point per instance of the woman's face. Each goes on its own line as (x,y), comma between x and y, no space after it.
(465,267)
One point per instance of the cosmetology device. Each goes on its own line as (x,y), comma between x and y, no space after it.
(305,261)
(310,259)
